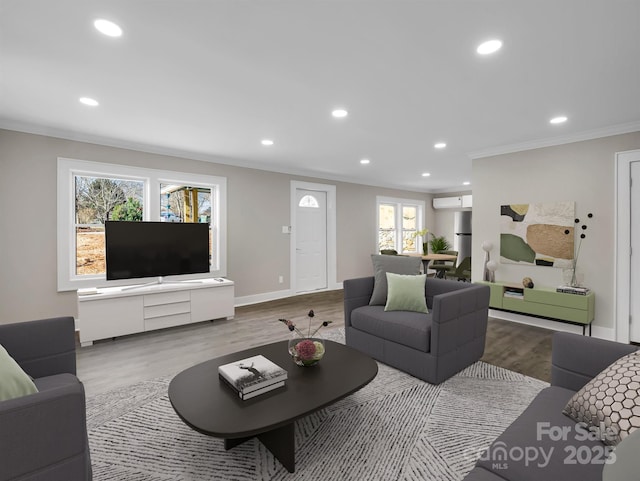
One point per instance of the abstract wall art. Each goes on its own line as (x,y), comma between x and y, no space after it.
(537,234)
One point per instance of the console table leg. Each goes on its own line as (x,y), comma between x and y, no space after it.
(232,443)
(281,443)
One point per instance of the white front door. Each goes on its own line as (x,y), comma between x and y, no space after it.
(634,284)
(311,240)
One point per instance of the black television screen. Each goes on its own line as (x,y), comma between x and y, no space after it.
(155,249)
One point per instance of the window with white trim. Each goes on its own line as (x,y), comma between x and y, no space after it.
(89,193)
(398,223)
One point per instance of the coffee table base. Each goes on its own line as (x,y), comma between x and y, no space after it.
(280,442)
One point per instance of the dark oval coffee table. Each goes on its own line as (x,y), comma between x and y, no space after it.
(210,407)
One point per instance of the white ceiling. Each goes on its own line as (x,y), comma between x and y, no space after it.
(209,79)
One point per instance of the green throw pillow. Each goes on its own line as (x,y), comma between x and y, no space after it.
(406,293)
(14,382)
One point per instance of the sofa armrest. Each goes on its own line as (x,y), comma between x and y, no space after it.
(357,293)
(42,348)
(42,429)
(576,359)
(458,317)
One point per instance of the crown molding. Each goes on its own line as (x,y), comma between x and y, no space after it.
(35,129)
(560,140)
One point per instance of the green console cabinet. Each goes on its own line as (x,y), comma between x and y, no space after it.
(543,302)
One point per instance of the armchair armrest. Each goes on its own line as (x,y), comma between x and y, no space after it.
(575,359)
(42,348)
(458,317)
(357,293)
(42,429)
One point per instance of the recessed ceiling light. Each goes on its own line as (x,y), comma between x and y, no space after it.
(107,27)
(339,113)
(89,101)
(266,142)
(558,120)
(466,183)
(489,46)
(426,174)
(440,145)
(365,161)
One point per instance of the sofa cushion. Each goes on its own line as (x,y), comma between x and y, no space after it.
(570,450)
(412,329)
(611,399)
(14,382)
(406,293)
(396,265)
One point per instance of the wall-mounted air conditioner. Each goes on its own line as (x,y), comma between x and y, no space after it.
(447,202)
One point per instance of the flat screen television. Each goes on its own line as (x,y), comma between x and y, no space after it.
(155,249)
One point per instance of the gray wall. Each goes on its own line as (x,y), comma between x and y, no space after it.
(257,207)
(583,172)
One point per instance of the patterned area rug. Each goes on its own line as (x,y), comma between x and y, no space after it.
(395,428)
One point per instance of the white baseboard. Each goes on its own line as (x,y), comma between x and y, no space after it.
(275,295)
(608,333)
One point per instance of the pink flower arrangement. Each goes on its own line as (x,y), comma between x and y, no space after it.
(306,349)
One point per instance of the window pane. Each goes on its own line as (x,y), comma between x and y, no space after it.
(408,241)
(90,250)
(183,203)
(387,216)
(99,199)
(387,239)
(409,217)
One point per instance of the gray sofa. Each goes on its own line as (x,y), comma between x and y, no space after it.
(575,361)
(432,346)
(43,436)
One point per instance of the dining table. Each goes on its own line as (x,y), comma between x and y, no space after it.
(426,258)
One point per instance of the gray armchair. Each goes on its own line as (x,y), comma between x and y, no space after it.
(43,436)
(433,346)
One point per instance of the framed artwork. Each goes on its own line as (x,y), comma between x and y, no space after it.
(539,234)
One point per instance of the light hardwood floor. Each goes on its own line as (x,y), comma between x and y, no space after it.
(126,360)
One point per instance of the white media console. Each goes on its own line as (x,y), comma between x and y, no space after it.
(118,311)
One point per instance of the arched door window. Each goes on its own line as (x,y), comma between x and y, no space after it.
(309,201)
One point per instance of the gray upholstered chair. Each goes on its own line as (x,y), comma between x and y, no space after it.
(432,346)
(43,436)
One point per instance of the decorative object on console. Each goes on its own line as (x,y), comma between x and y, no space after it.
(252,376)
(533,234)
(527,282)
(573,280)
(487,247)
(492,266)
(306,349)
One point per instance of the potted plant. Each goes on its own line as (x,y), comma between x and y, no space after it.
(439,244)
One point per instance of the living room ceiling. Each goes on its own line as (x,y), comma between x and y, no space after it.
(211,79)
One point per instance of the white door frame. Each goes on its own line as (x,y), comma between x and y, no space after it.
(622,274)
(331,232)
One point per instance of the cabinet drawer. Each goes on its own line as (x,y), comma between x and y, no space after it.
(166,321)
(571,301)
(166,298)
(167,309)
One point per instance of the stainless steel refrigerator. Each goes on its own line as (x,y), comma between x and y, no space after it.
(462,230)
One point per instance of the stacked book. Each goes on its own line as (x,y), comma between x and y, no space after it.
(252,376)
(514,292)
(581,291)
